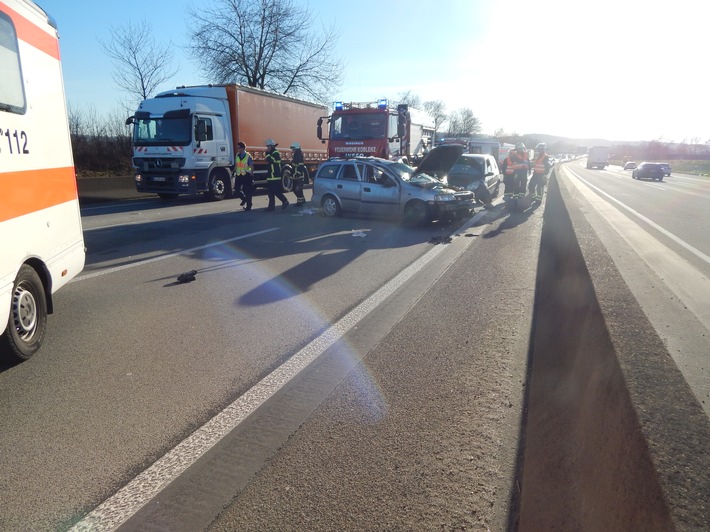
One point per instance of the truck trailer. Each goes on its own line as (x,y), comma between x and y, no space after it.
(598,157)
(377,129)
(184,140)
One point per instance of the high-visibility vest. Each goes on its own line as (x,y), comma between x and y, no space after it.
(539,167)
(242,166)
(509,166)
(274,160)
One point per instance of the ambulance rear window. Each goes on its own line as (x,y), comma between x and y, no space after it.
(12,94)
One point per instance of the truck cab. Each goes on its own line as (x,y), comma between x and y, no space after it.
(182,144)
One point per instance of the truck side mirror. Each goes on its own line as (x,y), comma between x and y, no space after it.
(319,129)
(201,131)
(129,120)
(402,116)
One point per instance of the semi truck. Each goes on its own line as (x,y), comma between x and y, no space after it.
(184,140)
(377,129)
(41,238)
(598,157)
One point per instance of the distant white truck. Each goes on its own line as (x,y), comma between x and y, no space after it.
(598,157)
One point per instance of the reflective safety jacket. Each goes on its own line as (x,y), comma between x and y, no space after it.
(273,159)
(542,165)
(244,165)
(515,164)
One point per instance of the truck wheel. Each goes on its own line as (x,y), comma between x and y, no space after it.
(27,324)
(330,207)
(286,180)
(219,186)
(416,213)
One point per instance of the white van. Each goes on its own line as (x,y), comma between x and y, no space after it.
(41,240)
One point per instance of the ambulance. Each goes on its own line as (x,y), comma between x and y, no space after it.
(41,239)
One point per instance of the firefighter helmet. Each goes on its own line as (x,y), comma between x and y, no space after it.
(270,142)
(295,145)
(520,146)
(540,147)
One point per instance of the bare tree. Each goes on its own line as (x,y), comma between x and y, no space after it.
(463,123)
(437,109)
(140,64)
(409,98)
(266,44)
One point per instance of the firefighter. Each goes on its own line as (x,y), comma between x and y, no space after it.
(273,178)
(521,168)
(515,170)
(243,169)
(299,173)
(541,167)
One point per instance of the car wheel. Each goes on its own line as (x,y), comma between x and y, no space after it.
(330,206)
(27,324)
(286,181)
(416,213)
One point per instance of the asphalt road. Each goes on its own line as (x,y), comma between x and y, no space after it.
(318,374)
(136,362)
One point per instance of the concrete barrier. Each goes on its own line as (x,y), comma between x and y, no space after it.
(96,189)
(614,438)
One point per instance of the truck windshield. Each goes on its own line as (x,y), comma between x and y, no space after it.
(359,126)
(162,131)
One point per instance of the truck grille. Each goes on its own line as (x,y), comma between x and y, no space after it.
(158,164)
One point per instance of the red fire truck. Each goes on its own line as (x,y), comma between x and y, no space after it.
(376,129)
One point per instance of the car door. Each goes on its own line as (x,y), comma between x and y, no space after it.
(348,187)
(380,193)
(492,173)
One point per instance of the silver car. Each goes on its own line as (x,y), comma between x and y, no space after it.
(378,187)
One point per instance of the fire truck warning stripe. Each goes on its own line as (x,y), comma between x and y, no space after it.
(42,189)
(33,35)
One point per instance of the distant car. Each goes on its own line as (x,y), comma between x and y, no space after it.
(630,165)
(649,171)
(666,168)
(378,187)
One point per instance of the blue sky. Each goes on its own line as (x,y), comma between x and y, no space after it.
(616,69)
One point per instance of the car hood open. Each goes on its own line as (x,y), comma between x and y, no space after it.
(440,160)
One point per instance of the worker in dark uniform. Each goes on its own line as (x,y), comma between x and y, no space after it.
(299,173)
(243,169)
(541,168)
(273,178)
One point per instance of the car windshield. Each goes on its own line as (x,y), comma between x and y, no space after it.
(408,174)
(469,167)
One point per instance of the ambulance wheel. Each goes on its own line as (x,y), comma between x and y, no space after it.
(330,206)
(27,324)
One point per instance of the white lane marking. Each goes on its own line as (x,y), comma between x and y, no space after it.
(657,227)
(167,256)
(116,510)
